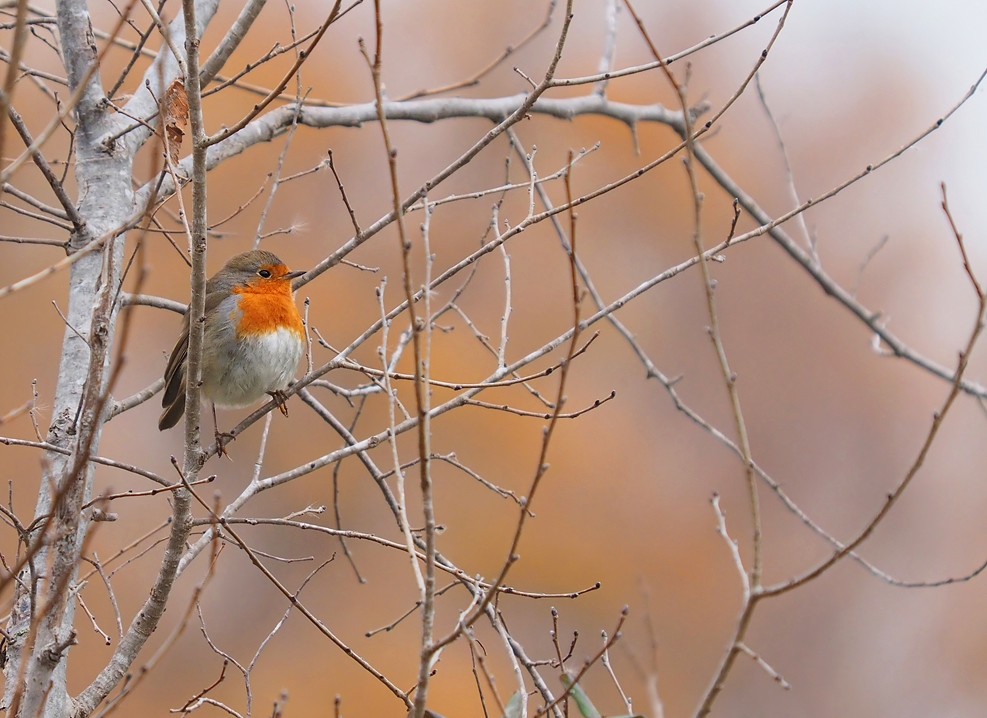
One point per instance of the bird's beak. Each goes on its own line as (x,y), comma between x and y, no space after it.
(295,274)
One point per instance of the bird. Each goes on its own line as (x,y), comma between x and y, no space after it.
(252,342)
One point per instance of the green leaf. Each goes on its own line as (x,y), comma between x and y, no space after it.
(582,700)
(513,708)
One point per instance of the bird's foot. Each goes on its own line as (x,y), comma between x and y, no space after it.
(281,399)
(222,439)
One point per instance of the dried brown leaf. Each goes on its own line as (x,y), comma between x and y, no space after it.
(176,117)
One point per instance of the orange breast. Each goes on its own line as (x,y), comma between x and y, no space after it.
(267,309)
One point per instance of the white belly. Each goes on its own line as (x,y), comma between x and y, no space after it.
(259,364)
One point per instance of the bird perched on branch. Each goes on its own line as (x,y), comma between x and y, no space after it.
(252,342)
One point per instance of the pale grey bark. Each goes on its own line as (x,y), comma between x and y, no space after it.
(162,71)
(36,668)
(81,381)
(270,125)
(146,619)
(233,38)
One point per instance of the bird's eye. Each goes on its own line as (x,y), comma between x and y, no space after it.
(265,273)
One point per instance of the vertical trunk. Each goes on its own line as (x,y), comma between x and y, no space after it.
(37,653)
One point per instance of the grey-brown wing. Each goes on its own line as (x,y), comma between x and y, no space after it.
(173,398)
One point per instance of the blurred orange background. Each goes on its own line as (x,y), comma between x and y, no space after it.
(626,501)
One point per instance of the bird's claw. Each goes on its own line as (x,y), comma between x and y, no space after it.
(281,399)
(222,439)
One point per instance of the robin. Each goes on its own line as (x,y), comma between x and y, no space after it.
(252,342)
